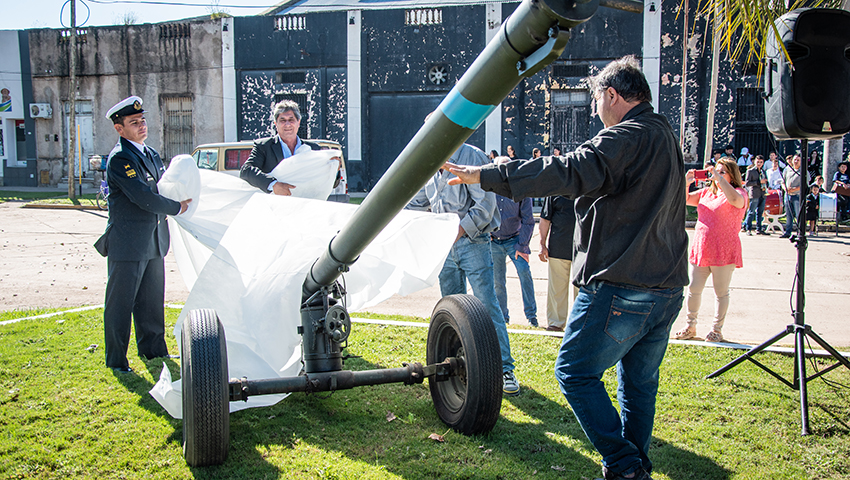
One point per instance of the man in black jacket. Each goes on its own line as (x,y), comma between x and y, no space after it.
(135,241)
(268,152)
(628,183)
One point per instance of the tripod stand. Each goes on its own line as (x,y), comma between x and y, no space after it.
(799,328)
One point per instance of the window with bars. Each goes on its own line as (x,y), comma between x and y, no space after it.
(423,16)
(290,22)
(571,71)
(177,127)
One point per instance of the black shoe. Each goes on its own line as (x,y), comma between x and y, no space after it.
(122,370)
(750,233)
(533,322)
(762,232)
(785,235)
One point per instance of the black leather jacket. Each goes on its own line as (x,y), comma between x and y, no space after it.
(629,186)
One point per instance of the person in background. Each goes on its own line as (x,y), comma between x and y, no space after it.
(774,174)
(791,184)
(728,151)
(469,258)
(813,208)
(556,152)
(631,257)
(511,152)
(268,152)
(511,241)
(756,183)
(768,164)
(535,153)
(557,227)
(842,179)
(493,154)
(135,241)
(716,249)
(745,160)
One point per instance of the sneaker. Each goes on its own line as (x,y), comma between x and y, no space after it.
(686,333)
(640,474)
(714,336)
(510,385)
(750,232)
(533,322)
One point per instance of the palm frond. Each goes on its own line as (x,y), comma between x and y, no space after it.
(743,26)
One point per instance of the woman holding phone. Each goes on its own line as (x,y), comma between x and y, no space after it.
(715,247)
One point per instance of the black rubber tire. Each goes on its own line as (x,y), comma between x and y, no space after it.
(101,202)
(469,402)
(206,400)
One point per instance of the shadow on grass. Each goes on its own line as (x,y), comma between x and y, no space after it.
(386,428)
(140,386)
(668,459)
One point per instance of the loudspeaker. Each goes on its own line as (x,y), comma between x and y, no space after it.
(809,97)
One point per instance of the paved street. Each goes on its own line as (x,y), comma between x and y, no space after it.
(47,260)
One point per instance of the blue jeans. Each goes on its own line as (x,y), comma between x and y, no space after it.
(470,259)
(500,249)
(621,325)
(756,211)
(792,210)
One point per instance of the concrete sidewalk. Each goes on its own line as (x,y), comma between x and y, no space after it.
(48,260)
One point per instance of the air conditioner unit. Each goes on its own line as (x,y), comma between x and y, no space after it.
(41,110)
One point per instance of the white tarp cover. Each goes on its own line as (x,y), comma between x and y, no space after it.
(246,254)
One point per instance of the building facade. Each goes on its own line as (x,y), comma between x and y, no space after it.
(176,67)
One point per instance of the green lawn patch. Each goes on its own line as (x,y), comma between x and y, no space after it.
(64,415)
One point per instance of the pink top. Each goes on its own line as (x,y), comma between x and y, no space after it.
(716,241)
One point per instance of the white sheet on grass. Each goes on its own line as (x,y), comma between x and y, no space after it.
(246,254)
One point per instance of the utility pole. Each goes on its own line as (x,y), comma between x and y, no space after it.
(72,122)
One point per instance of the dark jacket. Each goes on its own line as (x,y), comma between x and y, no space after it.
(265,155)
(629,186)
(753,183)
(136,229)
(561,213)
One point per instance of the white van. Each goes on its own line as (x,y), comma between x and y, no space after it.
(229,157)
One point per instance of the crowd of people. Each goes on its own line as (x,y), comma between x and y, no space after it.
(780,178)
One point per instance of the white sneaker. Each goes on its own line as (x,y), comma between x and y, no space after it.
(510,385)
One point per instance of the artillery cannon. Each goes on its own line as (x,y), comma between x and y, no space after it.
(463,360)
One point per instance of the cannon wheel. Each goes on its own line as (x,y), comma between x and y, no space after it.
(470,401)
(206,400)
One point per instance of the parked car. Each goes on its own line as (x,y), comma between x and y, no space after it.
(229,157)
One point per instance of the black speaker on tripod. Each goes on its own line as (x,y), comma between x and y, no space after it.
(811,98)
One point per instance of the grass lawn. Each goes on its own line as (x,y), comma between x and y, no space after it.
(64,415)
(48,198)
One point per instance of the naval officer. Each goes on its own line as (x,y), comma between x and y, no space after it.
(135,241)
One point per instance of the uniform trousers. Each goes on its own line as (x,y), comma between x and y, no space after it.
(134,290)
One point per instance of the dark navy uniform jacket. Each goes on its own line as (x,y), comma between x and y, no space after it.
(137,229)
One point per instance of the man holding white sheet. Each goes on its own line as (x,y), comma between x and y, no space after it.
(268,152)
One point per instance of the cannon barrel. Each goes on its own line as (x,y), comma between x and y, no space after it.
(531,38)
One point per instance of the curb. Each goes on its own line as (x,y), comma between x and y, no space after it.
(60,207)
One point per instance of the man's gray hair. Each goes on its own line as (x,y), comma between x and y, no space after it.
(285,106)
(625,76)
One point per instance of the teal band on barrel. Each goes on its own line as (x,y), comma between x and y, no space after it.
(463,112)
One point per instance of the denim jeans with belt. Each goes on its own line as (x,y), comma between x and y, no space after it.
(470,259)
(627,326)
(500,249)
